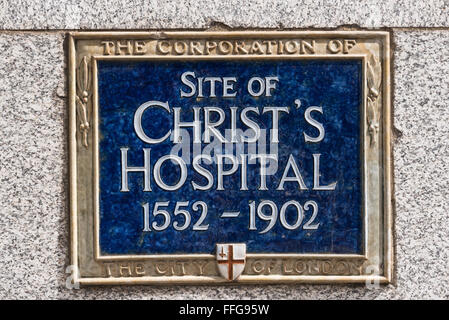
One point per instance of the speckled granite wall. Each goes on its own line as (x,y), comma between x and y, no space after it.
(33,129)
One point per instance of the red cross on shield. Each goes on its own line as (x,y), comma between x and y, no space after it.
(231,259)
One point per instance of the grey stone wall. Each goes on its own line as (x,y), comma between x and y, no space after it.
(34,215)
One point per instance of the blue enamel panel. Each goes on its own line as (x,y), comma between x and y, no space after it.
(333,85)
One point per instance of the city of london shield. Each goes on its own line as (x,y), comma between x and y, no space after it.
(231,260)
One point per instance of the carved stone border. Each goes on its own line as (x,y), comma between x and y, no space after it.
(87,47)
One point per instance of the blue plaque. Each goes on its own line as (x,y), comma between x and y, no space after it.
(227,158)
(329,91)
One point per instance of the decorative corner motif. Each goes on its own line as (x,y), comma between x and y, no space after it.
(374,72)
(83,82)
(231,259)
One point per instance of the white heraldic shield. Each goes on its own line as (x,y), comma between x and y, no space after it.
(231,259)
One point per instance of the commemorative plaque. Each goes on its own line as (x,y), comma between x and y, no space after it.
(230,157)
